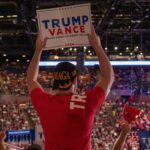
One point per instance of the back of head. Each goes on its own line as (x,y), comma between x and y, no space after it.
(34,147)
(64,75)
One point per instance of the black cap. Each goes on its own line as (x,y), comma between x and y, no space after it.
(64,75)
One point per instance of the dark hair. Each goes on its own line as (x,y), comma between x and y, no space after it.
(34,147)
(96,67)
(64,75)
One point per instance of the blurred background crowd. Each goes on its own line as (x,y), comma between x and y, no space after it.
(131,87)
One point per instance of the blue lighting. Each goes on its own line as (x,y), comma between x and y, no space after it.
(120,63)
(92,63)
(53,63)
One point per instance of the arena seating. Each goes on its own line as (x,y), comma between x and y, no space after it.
(17,115)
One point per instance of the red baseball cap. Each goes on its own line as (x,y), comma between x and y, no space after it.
(129,113)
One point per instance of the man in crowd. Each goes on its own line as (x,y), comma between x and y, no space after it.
(67,117)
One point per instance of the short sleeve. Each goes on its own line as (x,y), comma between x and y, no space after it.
(37,96)
(95,98)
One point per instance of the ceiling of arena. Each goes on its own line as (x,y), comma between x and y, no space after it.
(123,25)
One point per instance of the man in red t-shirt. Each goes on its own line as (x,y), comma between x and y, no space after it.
(66,117)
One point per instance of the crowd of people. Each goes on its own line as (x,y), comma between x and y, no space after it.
(16,115)
(106,129)
(13,83)
(136,79)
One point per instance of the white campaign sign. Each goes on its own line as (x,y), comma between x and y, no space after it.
(65,26)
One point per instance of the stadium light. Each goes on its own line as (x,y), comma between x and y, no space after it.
(92,63)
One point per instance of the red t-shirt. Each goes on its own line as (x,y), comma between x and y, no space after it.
(67,120)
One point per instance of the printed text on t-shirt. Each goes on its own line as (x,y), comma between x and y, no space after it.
(78,101)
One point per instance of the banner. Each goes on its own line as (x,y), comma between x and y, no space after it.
(65,26)
(144,140)
(20,135)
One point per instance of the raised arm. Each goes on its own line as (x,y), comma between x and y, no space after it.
(33,69)
(122,137)
(2,136)
(107,73)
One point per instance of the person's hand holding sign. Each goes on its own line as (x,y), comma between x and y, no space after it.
(40,43)
(94,40)
(107,74)
(33,69)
